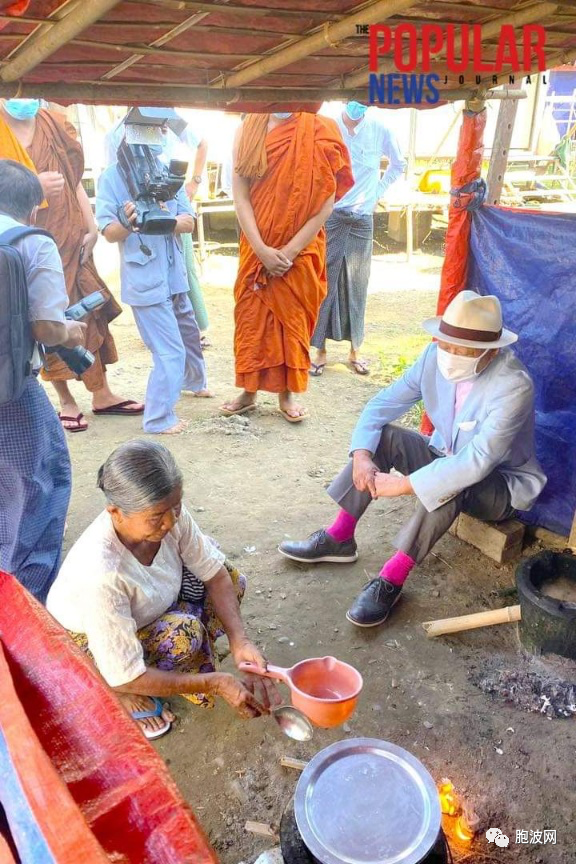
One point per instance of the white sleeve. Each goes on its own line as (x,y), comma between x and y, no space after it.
(111,632)
(47,296)
(197,552)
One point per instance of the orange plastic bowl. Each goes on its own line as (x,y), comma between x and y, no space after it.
(325,689)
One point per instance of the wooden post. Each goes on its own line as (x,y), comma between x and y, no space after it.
(501,148)
(572,538)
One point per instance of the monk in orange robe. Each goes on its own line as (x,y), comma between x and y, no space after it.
(47,144)
(288,171)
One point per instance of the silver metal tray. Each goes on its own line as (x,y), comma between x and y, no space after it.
(365,801)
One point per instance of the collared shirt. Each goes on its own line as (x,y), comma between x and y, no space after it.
(144,279)
(367,144)
(47,296)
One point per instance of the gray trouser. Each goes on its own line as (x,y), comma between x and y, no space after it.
(406,451)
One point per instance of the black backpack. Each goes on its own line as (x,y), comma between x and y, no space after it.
(16,342)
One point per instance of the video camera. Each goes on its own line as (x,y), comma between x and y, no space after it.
(79,359)
(150,182)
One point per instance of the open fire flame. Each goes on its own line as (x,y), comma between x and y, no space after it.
(467,822)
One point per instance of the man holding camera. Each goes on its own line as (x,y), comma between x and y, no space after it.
(154,283)
(35,474)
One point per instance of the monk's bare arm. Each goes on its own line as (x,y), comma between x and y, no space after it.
(309,230)
(91,235)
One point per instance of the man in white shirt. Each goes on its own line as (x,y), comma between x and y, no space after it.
(349,232)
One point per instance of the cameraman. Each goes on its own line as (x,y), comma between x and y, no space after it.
(153,282)
(35,475)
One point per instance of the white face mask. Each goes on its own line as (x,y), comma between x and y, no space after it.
(455,367)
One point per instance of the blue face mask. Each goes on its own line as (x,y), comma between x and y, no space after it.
(355,110)
(22,109)
(283,116)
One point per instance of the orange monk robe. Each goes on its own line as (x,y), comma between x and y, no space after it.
(11,148)
(296,167)
(54,148)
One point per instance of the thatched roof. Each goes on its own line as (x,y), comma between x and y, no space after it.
(235,53)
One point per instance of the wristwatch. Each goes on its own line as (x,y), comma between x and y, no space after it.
(197,178)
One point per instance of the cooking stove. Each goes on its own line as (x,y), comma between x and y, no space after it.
(295,851)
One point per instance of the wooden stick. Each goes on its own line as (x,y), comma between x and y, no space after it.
(471,622)
(296,764)
(261,829)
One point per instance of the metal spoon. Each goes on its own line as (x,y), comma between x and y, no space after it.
(293,723)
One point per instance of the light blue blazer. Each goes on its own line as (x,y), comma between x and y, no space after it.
(493,430)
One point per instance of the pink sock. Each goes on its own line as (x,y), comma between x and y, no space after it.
(343,527)
(397,569)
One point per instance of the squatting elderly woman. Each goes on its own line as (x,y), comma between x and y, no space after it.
(146,594)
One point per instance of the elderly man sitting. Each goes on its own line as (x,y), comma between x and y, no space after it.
(479,460)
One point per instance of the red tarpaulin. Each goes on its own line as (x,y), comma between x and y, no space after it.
(61,726)
(465,168)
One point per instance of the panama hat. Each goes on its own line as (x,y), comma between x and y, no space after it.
(472,321)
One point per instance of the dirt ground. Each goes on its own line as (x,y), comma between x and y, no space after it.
(252,485)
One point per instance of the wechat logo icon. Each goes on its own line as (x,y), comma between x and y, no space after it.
(495,835)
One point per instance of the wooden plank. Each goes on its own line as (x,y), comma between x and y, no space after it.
(501,147)
(500,541)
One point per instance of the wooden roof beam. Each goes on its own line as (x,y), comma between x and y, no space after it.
(251,11)
(328,36)
(121,93)
(49,42)
(489,30)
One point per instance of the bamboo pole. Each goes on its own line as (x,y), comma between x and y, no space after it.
(471,622)
(121,93)
(328,36)
(489,30)
(67,28)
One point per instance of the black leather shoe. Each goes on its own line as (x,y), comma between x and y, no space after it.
(373,604)
(320,546)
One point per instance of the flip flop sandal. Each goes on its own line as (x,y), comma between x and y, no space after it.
(360,367)
(79,427)
(244,409)
(205,342)
(316,369)
(122,408)
(291,419)
(153,712)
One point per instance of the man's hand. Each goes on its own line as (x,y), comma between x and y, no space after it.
(76,334)
(364,471)
(274,260)
(88,244)
(130,213)
(52,182)
(391,486)
(236,694)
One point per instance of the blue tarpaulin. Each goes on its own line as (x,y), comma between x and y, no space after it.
(528,260)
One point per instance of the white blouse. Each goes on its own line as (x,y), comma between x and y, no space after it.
(102,590)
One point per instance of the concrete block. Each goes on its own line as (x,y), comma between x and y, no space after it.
(500,541)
